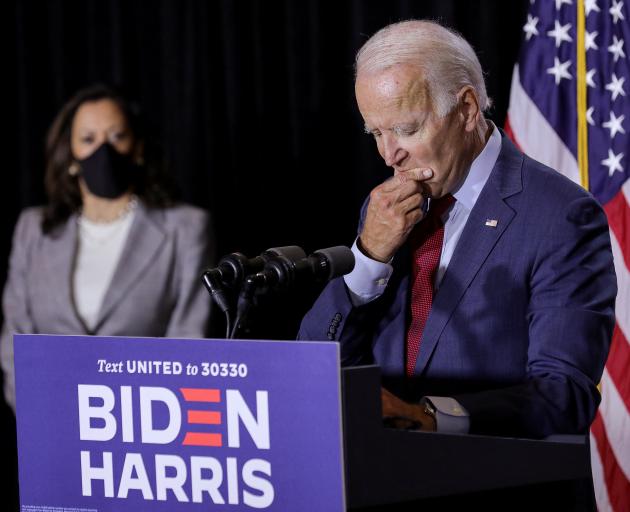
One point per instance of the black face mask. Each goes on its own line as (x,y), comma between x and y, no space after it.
(108,173)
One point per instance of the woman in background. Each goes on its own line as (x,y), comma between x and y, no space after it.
(111,254)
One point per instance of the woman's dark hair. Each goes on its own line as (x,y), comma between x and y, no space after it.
(62,189)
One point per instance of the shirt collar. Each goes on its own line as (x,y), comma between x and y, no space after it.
(480,169)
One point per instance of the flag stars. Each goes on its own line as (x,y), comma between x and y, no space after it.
(560,2)
(530,27)
(615,86)
(589,116)
(590,6)
(589,79)
(589,41)
(615,11)
(559,70)
(614,124)
(613,162)
(560,33)
(617,48)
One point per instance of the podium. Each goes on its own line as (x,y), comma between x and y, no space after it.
(155,425)
(387,466)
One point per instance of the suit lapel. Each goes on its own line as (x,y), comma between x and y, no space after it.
(60,251)
(475,244)
(144,240)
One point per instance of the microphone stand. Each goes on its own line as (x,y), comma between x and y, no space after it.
(278,274)
(245,302)
(217,291)
(278,269)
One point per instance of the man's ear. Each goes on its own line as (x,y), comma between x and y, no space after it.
(469,107)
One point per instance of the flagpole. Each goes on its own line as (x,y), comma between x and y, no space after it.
(582,132)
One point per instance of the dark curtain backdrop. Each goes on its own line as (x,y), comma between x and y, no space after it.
(249,104)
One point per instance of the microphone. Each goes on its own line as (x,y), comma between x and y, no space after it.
(321,266)
(326,264)
(285,270)
(234,268)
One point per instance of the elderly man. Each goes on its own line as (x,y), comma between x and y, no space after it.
(484,285)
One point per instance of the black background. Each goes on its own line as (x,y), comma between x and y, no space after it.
(249,103)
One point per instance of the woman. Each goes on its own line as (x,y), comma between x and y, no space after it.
(110,254)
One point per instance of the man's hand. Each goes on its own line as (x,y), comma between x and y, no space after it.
(400,414)
(395,208)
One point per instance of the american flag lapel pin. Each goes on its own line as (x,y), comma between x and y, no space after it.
(492,223)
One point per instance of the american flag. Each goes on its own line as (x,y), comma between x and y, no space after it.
(570,109)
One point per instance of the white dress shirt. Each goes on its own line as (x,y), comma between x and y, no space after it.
(369,278)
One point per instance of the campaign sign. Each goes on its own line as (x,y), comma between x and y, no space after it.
(141,424)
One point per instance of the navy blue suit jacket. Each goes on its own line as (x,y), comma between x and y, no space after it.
(521,325)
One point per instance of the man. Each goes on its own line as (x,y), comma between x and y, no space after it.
(484,285)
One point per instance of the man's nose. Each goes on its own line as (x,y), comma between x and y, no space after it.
(391,152)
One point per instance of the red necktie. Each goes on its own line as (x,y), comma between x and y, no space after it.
(426,244)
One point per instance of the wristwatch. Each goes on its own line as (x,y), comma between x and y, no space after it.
(429,408)
(449,415)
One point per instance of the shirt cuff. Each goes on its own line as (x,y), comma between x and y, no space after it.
(450,415)
(368,279)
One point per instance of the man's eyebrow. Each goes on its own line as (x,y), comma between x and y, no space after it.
(397,127)
(402,126)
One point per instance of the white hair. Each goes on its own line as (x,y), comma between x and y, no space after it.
(445,59)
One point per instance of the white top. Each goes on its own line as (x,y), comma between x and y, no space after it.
(99,249)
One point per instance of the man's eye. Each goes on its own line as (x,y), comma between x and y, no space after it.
(87,140)
(406,132)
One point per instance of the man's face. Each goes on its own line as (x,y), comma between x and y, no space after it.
(397,111)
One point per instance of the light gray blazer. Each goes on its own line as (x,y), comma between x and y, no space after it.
(156,289)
